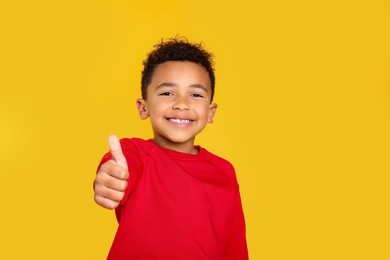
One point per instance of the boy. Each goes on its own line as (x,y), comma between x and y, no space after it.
(173,200)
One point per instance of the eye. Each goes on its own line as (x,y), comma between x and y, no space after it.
(166,93)
(197,95)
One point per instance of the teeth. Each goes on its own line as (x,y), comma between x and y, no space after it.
(179,120)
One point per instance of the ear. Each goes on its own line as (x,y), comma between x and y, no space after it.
(212,110)
(141,106)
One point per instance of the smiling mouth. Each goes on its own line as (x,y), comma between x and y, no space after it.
(180,121)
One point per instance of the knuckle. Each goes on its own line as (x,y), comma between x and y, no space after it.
(106,203)
(114,205)
(116,196)
(123,185)
(120,196)
(121,173)
(111,204)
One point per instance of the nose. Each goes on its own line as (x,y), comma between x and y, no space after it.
(181,103)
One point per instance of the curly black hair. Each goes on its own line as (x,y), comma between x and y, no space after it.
(176,49)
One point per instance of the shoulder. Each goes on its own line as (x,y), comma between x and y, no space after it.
(223,164)
(136,145)
(135,142)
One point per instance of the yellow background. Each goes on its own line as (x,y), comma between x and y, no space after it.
(304,115)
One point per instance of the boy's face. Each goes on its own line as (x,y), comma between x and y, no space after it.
(178,104)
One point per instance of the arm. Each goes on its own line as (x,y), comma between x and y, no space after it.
(236,246)
(111,179)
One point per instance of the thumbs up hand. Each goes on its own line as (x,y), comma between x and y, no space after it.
(116,151)
(111,180)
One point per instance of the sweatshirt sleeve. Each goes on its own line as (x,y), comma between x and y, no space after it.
(236,246)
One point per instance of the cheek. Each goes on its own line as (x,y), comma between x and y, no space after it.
(157,109)
(204,112)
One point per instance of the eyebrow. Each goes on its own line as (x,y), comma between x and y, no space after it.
(170,84)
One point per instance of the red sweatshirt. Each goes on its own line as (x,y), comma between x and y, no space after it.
(178,206)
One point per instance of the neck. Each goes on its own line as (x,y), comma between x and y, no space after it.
(187,147)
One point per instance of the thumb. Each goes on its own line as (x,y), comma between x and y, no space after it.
(116,151)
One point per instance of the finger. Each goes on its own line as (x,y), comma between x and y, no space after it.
(106,203)
(111,168)
(116,151)
(115,180)
(108,193)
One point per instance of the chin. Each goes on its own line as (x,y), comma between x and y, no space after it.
(180,140)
